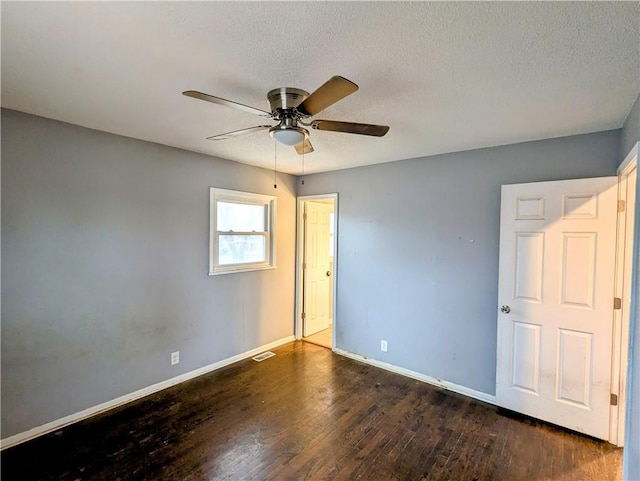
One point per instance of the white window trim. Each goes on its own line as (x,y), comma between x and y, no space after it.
(223,195)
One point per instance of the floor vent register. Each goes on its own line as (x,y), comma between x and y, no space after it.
(263,356)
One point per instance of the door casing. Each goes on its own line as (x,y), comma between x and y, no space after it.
(624,254)
(298,327)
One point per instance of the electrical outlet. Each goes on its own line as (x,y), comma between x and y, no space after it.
(383,346)
(175,357)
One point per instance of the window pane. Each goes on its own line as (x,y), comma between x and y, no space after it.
(241,217)
(241,249)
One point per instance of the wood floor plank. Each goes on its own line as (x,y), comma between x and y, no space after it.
(309,414)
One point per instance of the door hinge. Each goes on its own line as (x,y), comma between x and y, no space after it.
(614,399)
(304,316)
(304,265)
(304,216)
(617,303)
(622,205)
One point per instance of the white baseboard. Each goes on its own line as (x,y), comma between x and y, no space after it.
(100,408)
(481,396)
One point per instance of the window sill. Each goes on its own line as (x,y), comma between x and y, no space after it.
(233,270)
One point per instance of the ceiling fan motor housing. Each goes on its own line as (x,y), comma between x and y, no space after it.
(285,99)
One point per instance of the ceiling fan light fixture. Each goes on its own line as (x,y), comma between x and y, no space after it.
(288,135)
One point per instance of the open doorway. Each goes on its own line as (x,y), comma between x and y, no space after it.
(316,269)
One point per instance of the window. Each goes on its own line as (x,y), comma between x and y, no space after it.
(241,231)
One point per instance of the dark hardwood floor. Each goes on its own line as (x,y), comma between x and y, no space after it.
(309,414)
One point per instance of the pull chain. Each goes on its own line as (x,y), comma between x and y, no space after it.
(275,164)
(303,151)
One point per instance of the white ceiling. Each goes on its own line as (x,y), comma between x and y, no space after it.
(445,76)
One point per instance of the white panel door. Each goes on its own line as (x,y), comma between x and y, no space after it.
(556,278)
(317,283)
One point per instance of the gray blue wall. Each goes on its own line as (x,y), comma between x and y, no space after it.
(418,250)
(631,135)
(104,268)
(631,129)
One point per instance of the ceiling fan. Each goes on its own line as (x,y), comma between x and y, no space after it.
(291,108)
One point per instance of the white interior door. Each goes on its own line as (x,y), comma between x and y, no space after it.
(317,284)
(556,278)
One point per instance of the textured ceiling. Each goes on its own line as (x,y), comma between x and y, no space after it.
(445,76)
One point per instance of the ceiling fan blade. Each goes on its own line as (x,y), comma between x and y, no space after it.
(304,147)
(351,127)
(336,88)
(227,103)
(237,133)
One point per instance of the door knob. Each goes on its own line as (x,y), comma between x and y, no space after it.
(328,273)
(505,309)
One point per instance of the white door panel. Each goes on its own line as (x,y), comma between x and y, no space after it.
(318,280)
(557,250)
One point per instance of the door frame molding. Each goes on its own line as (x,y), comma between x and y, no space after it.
(621,318)
(298,328)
